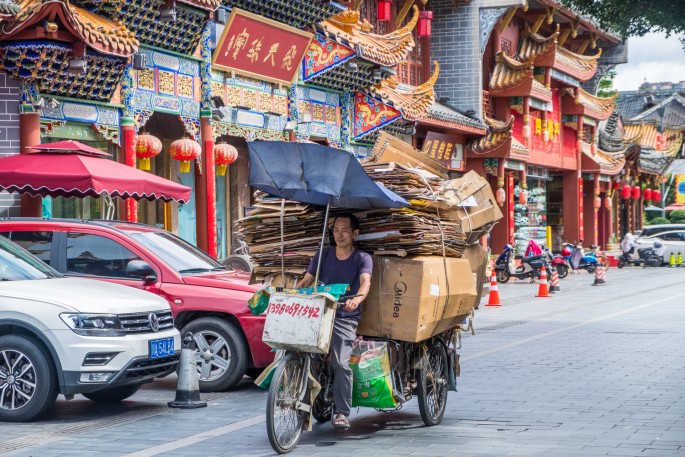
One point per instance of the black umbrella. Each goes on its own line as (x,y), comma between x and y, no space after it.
(316,174)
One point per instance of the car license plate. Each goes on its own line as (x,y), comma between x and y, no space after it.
(161,348)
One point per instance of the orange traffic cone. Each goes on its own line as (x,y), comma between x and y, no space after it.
(543,291)
(493,299)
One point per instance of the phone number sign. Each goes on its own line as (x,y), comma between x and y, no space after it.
(254,46)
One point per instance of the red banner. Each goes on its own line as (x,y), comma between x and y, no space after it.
(260,48)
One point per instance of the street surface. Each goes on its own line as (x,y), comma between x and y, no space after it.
(592,371)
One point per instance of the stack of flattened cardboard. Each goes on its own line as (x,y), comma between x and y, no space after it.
(261,231)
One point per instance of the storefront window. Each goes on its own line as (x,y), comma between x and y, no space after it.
(530,219)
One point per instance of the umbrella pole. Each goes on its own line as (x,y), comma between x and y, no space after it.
(323,238)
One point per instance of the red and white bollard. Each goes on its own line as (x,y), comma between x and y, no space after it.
(554,281)
(600,273)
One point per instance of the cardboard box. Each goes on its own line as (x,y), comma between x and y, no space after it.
(473,200)
(410,298)
(391,149)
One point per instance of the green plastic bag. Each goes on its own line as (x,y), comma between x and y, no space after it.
(259,301)
(371,379)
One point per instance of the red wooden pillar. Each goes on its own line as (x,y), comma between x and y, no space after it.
(128,131)
(205,190)
(29,135)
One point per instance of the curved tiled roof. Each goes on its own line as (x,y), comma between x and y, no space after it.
(646,135)
(608,163)
(413,102)
(599,108)
(577,65)
(448,117)
(98,32)
(534,45)
(387,50)
(499,141)
(208,5)
(513,78)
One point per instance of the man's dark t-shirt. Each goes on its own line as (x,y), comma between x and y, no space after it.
(334,271)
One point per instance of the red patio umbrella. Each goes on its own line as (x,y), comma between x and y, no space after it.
(71,146)
(72,174)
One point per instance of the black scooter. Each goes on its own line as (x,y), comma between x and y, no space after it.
(531,267)
(647,257)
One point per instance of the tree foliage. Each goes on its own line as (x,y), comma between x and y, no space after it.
(606,84)
(660,220)
(634,17)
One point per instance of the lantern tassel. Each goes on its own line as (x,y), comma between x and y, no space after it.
(184,167)
(221,170)
(144,164)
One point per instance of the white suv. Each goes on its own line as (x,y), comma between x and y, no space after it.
(75,336)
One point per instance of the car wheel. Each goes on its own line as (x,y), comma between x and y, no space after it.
(221,355)
(28,385)
(113,395)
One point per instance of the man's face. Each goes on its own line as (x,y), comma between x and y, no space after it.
(343,233)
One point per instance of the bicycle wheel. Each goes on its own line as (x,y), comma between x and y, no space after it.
(432,388)
(284,421)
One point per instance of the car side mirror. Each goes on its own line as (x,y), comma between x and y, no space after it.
(140,269)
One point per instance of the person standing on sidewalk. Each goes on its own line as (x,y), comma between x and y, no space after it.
(343,264)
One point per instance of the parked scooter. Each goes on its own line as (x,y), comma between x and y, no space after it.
(530,267)
(578,259)
(558,262)
(646,257)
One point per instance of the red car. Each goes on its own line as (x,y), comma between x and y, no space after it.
(206,298)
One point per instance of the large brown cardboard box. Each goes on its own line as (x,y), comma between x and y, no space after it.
(478,206)
(391,149)
(410,297)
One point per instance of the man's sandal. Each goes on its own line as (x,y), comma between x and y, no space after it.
(341,422)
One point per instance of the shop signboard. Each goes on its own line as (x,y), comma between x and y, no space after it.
(261,48)
(446,149)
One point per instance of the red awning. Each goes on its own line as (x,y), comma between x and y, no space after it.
(71,146)
(79,175)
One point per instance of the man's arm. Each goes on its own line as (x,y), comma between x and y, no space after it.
(305,282)
(364,286)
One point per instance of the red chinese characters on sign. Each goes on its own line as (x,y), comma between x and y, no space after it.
(446,149)
(258,47)
(294,310)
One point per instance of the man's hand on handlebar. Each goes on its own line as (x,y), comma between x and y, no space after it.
(351,303)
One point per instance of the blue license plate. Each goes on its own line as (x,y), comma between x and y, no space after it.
(161,348)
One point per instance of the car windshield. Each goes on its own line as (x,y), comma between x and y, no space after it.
(177,253)
(16,264)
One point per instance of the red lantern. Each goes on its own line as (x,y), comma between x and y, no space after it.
(185,150)
(656,196)
(635,192)
(617,184)
(500,196)
(648,194)
(383,10)
(224,155)
(424,26)
(625,191)
(146,147)
(597,203)
(523,197)
(607,203)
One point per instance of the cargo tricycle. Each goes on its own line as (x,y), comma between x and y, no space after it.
(301,387)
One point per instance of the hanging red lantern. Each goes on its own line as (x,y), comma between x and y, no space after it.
(425,20)
(635,192)
(597,203)
(607,203)
(523,197)
(146,147)
(500,196)
(656,196)
(617,184)
(648,194)
(383,10)
(185,150)
(224,155)
(625,191)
